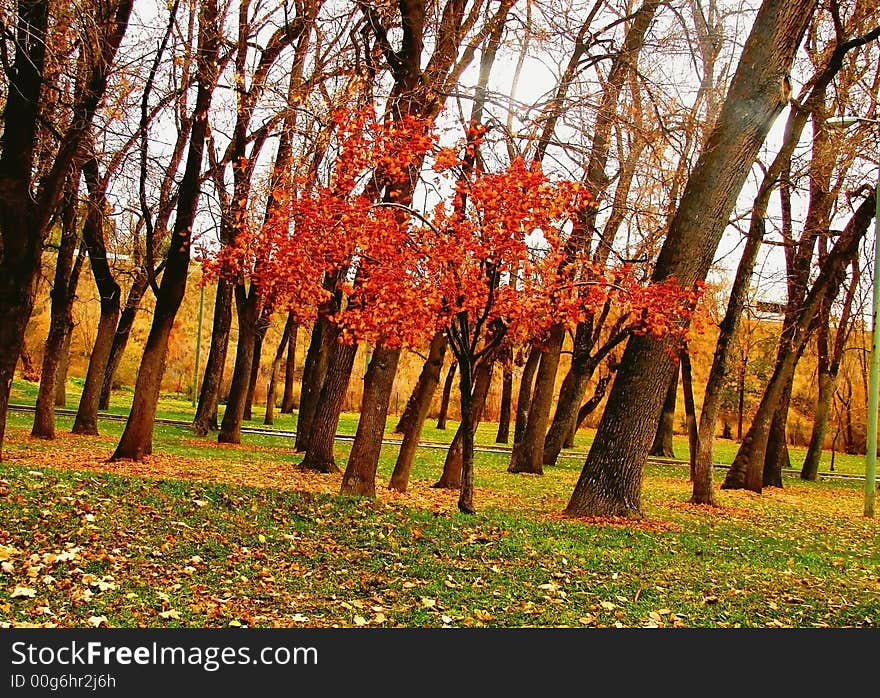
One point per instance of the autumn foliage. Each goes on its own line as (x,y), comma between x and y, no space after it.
(488,261)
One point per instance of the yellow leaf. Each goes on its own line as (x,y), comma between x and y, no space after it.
(428,603)
(482,615)
(608,606)
(360,620)
(170,615)
(23,593)
(98,621)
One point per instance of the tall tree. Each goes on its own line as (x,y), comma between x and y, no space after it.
(29,197)
(529,455)
(67,267)
(610,482)
(748,467)
(137,438)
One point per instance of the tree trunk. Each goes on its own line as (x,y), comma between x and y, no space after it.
(62,297)
(610,482)
(827,386)
(109,293)
(25,213)
(466,495)
(588,407)
(120,339)
(687,387)
(503,435)
(259,336)
(776,458)
(86,421)
(319,455)
(423,392)
(571,394)
(703,492)
(528,455)
(287,400)
(451,477)
(272,388)
(137,438)
(63,367)
(444,398)
(360,472)
(662,445)
(828,359)
(209,396)
(747,469)
(321,348)
(247,305)
(524,396)
(428,380)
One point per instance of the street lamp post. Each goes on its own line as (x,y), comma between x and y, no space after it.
(844,122)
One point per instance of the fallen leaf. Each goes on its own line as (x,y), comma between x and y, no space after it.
(23,593)
(98,621)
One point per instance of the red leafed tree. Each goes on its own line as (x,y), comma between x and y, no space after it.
(492,262)
(488,262)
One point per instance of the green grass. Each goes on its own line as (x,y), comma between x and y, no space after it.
(180,407)
(209,535)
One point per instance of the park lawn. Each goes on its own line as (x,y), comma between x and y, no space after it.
(204,535)
(180,407)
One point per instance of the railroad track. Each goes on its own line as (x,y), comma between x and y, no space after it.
(439,445)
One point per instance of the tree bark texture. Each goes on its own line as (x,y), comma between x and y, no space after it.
(109,293)
(209,395)
(528,455)
(256,358)
(272,387)
(452,466)
(687,387)
(662,445)
(248,310)
(571,394)
(319,455)
(444,398)
(62,296)
(321,347)
(136,292)
(288,403)
(466,494)
(63,367)
(524,395)
(427,385)
(25,209)
(360,472)
(423,391)
(589,407)
(503,435)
